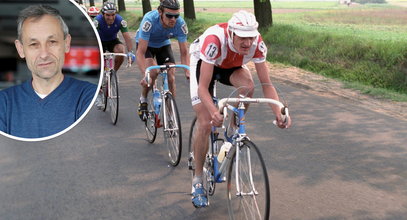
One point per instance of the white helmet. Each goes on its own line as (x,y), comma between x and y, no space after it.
(243,24)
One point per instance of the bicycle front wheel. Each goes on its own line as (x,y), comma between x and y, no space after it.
(248,189)
(114,98)
(151,121)
(105,91)
(172,129)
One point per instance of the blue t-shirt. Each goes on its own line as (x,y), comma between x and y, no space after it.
(24,114)
(109,32)
(157,36)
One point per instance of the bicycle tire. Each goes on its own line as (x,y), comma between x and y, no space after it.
(172,131)
(251,165)
(208,172)
(150,123)
(114,99)
(105,91)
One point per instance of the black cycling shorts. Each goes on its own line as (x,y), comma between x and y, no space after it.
(222,75)
(109,45)
(162,55)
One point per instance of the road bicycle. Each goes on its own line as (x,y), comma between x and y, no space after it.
(110,85)
(235,159)
(163,108)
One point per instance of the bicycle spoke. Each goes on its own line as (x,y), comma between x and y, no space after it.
(172,130)
(248,185)
(114,97)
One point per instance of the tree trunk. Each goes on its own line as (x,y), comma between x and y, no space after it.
(80,2)
(92,3)
(263,13)
(146,6)
(122,5)
(104,1)
(189,9)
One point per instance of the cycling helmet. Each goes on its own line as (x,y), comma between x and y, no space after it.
(243,24)
(109,7)
(170,4)
(93,11)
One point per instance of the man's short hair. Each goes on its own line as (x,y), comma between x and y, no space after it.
(37,11)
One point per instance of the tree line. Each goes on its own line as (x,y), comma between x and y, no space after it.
(262,10)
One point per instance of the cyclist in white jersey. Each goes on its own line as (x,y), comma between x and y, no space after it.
(221,53)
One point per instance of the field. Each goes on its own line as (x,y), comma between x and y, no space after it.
(363,45)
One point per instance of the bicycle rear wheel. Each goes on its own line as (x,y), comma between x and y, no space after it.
(208,172)
(114,98)
(252,201)
(151,120)
(172,129)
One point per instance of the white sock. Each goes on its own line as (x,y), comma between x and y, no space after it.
(143,99)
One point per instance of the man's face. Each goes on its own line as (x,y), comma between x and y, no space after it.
(109,18)
(243,44)
(43,46)
(169,17)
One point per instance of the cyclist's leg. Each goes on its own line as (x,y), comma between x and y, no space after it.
(118,48)
(242,79)
(165,55)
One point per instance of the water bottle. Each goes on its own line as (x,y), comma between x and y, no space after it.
(157,101)
(224,151)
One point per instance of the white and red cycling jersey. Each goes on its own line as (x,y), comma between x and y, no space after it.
(215,47)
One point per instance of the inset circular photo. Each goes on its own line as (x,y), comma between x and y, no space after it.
(50,57)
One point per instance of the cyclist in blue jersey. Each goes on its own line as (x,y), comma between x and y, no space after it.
(153,41)
(108,25)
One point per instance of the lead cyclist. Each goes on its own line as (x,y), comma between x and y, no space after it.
(221,53)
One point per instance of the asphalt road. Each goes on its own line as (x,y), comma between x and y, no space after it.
(338,161)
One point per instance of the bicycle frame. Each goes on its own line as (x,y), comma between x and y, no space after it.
(164,88)
(237,138)
(109,65)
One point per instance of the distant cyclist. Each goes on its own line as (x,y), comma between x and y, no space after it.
(153,41)
(108,25)
(221,53)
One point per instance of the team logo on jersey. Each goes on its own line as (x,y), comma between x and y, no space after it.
(96,23)
(211,51)
(124,23)
(146,26)
(262,47)
(170,35)
(184,29)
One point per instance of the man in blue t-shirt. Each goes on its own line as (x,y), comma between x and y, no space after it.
(153,41)
(49,102)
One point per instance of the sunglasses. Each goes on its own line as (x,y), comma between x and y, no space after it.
(169,15)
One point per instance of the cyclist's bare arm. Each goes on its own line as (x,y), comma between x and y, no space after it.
(204,95)
(184,56)
(270,92)
(140,58)
(127,39)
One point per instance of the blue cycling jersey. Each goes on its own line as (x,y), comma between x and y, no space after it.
(109,32)
(157,36)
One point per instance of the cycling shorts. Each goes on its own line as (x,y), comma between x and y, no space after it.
(160,54)
(219,74)
(109,45)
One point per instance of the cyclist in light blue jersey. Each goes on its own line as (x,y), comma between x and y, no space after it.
(108,25)
(153,41)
